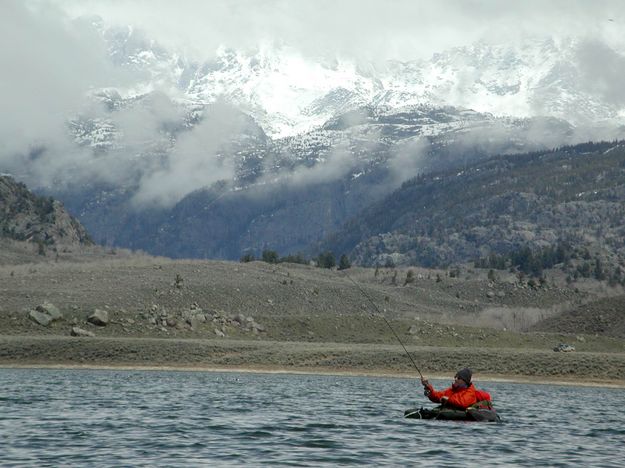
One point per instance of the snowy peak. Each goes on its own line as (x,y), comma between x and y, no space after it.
(286,93)
(536,78)
(289,93)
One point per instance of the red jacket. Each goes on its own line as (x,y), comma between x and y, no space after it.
(482,395)
(457,397)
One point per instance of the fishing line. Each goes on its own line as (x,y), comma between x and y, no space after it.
(385,321)
(215,200)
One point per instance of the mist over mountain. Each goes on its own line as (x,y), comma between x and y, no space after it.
(254,142)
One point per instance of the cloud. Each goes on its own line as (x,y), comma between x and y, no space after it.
(150,120)
(371,30)
(49,64)
(408,160)
(201,157)
(52,60)
(338,163)
(602,70)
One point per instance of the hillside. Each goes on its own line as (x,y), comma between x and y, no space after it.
(259,316)
(572,196)
(136,310)
(42,221)
(605,316)
(289,193)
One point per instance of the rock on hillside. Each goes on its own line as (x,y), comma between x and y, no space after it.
(25,216)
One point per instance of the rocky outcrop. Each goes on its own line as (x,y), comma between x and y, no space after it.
(194,318)
(25,216)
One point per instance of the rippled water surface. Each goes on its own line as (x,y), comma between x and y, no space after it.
(148,418)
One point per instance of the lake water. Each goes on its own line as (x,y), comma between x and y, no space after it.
(155,418)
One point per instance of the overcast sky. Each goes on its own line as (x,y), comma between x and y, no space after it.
(49,61)
(371,29)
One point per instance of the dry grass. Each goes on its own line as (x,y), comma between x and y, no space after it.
(306,313)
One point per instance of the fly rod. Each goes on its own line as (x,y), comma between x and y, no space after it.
(385,321)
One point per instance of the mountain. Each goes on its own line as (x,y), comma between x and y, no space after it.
(288,194)
(25,216)
(572,197)
(288,94)
(269,148)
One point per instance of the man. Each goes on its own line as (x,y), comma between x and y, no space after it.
(460,395)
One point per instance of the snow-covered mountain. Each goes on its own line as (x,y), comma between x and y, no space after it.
(269,148)
(500,98)
(288,93)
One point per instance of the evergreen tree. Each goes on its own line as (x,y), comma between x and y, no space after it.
(326,260)
(344,262)
(297,258)
(248,257)
(599,273)
(409,277)
(270,256)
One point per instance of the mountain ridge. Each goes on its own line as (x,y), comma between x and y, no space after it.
(496,206)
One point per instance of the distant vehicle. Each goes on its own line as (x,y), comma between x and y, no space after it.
(564,348)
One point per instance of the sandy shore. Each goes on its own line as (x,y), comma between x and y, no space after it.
(501,364)
(514,379)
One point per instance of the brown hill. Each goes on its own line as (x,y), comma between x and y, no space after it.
(287,316)
(605,316)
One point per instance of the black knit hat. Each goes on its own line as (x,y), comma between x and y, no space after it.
(465,374)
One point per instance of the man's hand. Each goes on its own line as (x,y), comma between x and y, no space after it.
(427,387)
(444,400)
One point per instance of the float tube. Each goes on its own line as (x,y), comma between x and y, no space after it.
(473,413)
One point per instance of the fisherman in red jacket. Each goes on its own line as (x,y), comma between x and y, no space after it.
(460,395)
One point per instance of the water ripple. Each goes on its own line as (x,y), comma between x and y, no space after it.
(132,418)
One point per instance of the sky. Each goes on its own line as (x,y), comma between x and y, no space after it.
(366,29)
(52,59)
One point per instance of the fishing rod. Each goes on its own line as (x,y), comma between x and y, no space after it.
(385,321)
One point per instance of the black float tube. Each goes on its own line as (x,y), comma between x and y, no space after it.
(386,321)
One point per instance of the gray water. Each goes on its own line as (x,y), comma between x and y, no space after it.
(150,418)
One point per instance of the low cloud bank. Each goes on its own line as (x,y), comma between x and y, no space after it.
(53,61)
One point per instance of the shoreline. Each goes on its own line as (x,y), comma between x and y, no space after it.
(380,373)
(514,365)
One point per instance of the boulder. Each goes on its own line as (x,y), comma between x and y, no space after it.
(258,327)
(99,317)
(40,318)
(196,320)
(45,313)
(50,309)
(80,332)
